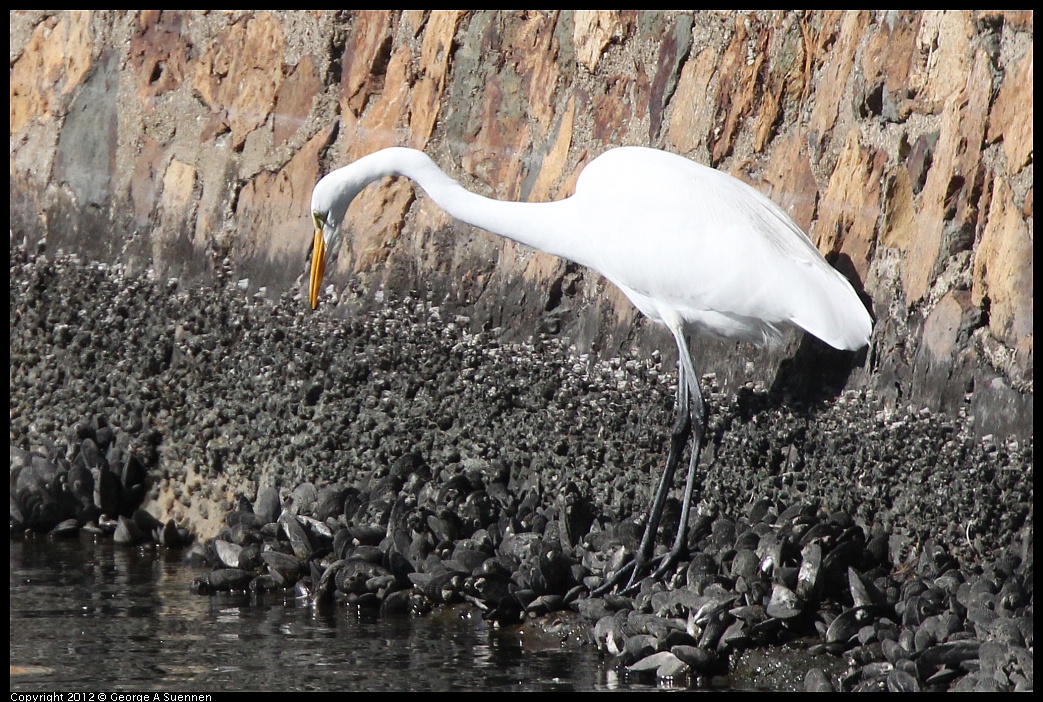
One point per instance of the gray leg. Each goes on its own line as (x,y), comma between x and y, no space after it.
(699,427)
(698,423)
(688,396)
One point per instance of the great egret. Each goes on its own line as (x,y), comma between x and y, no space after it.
(693,248)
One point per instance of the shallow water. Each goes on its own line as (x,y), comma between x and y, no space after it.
(89,616)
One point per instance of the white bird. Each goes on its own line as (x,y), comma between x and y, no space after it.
(693,248)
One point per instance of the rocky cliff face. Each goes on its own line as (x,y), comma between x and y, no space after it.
(189,142)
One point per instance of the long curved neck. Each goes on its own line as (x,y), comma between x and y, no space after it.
(541,225)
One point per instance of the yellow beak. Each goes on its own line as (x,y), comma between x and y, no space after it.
(318,268)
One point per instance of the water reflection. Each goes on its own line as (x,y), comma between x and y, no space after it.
(91,616)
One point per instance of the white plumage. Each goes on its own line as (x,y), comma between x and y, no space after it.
(692,247)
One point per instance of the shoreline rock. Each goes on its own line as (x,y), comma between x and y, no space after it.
(396,459)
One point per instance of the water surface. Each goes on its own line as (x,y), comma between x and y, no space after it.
(91,616)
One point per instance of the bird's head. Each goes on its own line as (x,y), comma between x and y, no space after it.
(329,203)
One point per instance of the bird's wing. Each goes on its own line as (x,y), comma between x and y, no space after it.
(683,237)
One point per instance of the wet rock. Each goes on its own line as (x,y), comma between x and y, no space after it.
(784,604)
(267,506)
(225,580)
(664,664)
(368,535)
(700,660)
(227,553)
(356,576)
(846,626)
(128,533)
(303,498)
(297,536)
(425,463)
(67,529)
(816,680)
(173,536)
(286,569)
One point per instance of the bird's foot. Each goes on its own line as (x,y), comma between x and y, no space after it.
(667,563)
(633,573)
(628,573)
